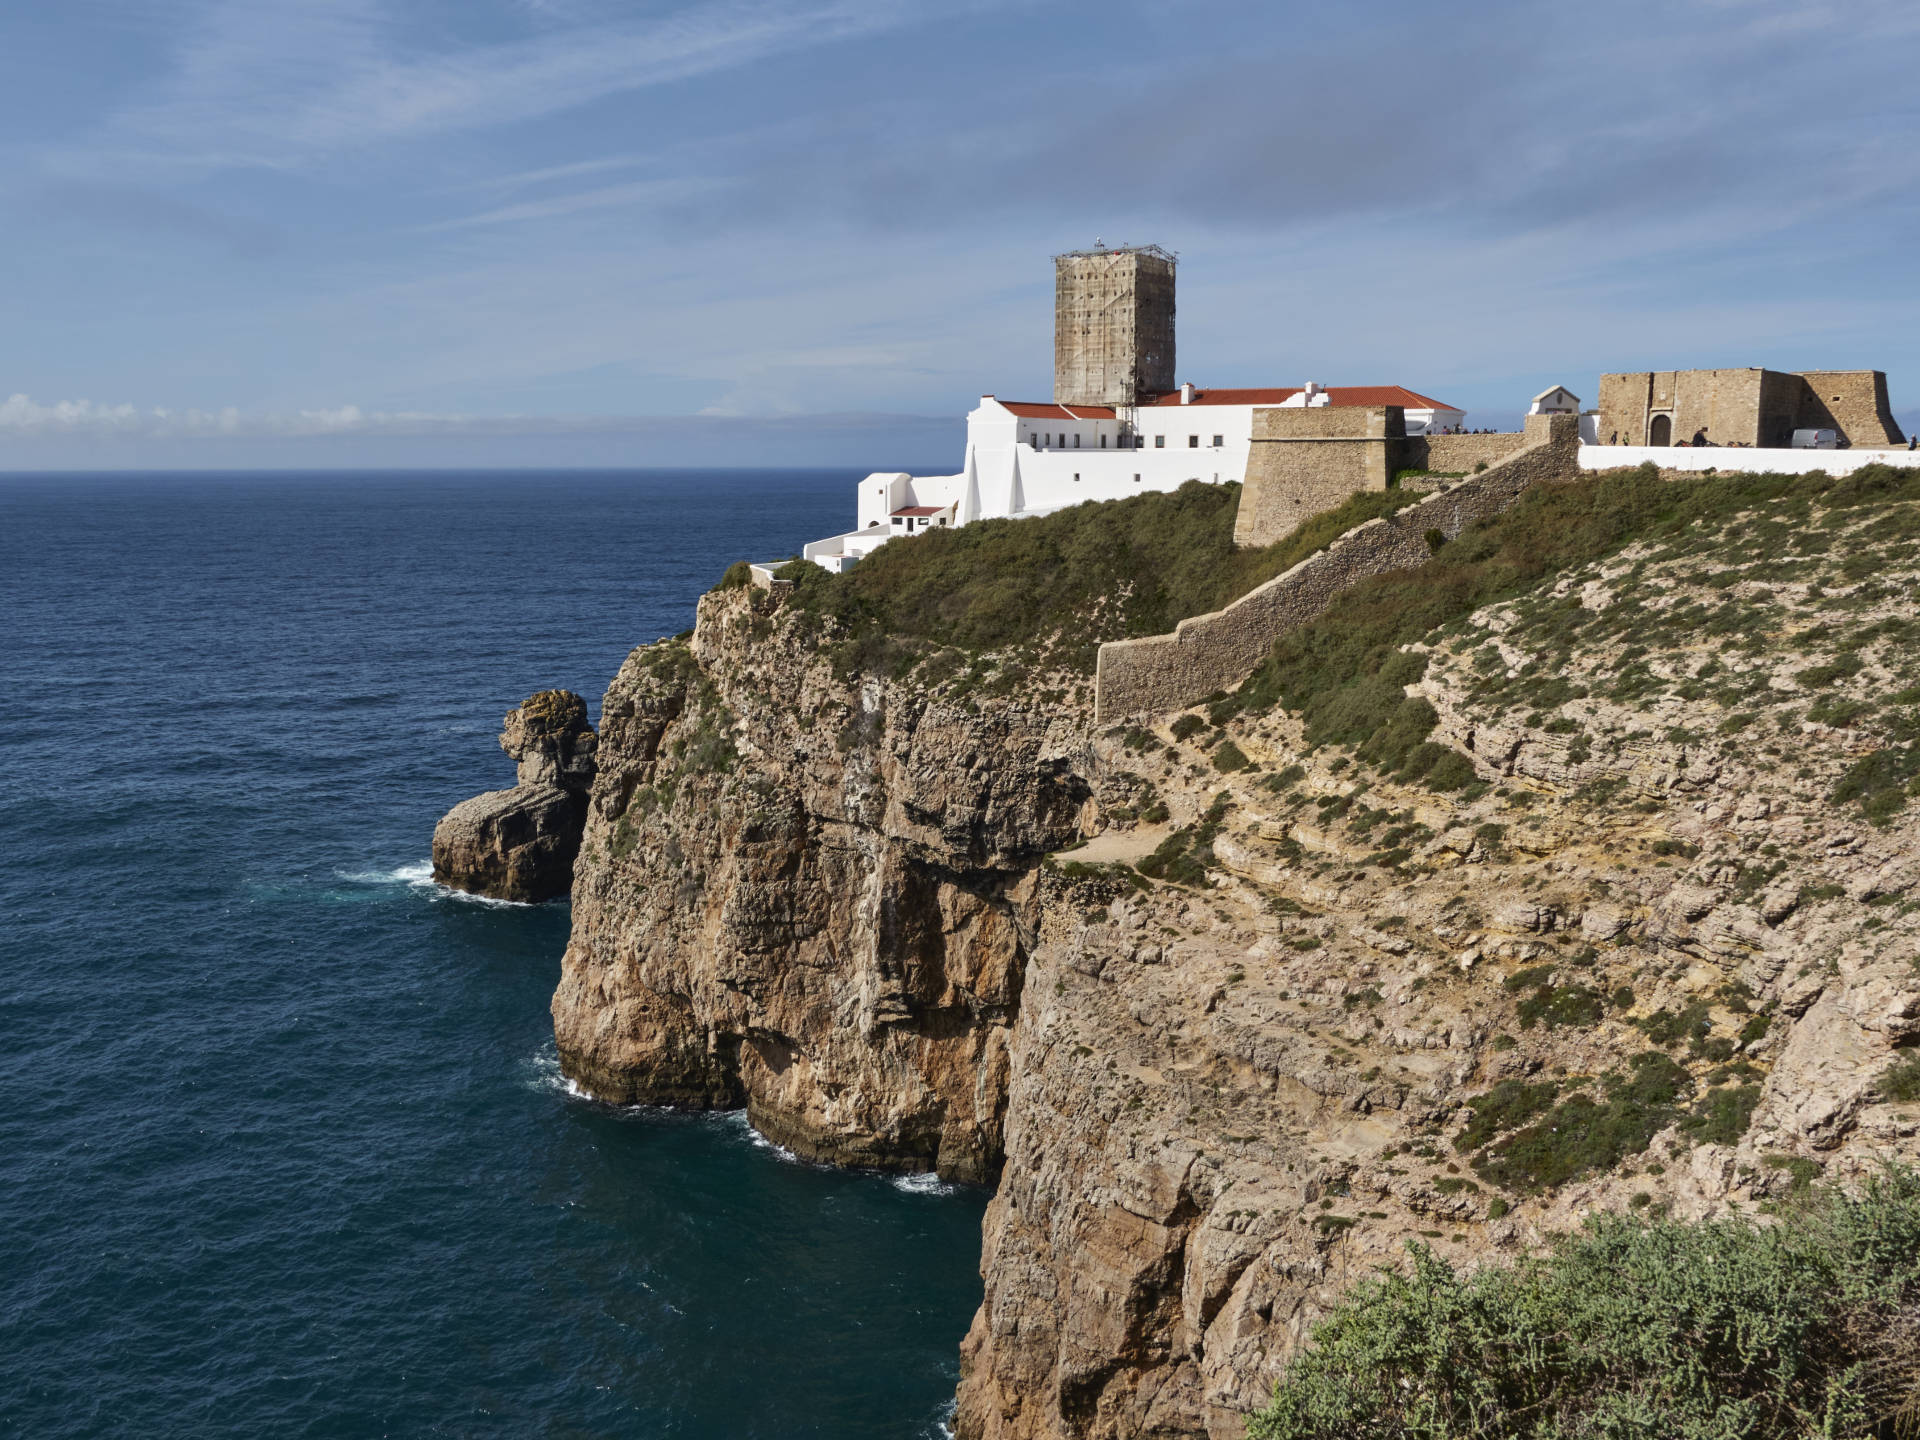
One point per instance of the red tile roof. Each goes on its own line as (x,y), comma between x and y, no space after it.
(1026,410)
(921,510)
(1336,395)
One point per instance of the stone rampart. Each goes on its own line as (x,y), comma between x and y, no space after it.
(1458,454)
(1303,461)
(1217,651)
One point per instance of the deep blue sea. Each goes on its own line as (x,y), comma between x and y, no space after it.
(283,1151)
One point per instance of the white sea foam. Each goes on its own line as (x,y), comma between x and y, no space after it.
(545,1074)
(419,876)
(926,1184)
(736,1121)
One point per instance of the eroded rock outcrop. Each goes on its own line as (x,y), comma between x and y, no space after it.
(520,843)
(809,895)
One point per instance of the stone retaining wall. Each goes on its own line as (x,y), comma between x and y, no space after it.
(1217,651)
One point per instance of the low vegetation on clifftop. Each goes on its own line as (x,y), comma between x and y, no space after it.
(1069,580)
(1809,1327)
(1347,673)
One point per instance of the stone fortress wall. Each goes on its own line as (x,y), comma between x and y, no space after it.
(1216,651)
(1113,326)
(1458,454)
(1303,461)
(1745,407)
(1854,402)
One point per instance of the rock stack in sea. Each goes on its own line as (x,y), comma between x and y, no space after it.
(520,844)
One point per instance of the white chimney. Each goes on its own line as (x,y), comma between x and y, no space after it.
(1186,393)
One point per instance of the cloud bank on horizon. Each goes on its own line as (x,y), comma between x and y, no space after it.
(741,231)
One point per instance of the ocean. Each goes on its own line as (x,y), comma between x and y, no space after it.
(283,1146)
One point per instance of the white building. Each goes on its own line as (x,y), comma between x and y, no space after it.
(1025,458)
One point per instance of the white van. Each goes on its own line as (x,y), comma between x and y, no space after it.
(1816,440)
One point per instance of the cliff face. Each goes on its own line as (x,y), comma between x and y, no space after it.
(810,895)
(1651,944)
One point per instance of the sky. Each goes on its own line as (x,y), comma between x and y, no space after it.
(315,233)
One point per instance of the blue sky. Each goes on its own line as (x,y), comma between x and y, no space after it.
(408,232)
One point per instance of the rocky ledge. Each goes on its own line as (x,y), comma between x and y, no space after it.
(520,844)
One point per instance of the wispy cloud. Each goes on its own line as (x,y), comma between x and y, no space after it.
(522,179)
(21,416)
(605,197)
(259,85)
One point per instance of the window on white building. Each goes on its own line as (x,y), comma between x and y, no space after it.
(1136,477)
(1103,441)
(1218,441)
(1076,442)
(1193,442)
(1063,442)
(1033,440)
(1159,442)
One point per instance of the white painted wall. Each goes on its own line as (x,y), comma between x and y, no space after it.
(1740,458)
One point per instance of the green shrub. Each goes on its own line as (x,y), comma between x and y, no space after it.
(1803,1169)
(1879,781)
(1580,1134)
(1452,771)
(1282,781)
(738,574)
(1722,1116)
(1116,871)
(1229,758)
(1555,1005)
(1183,857)
(1670,1027)
(626,835)
(1510,1104)
(1634,1327)
(1187,726)
(1902,1081)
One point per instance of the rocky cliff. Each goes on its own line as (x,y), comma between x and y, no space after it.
(1632,927)
(811,894)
